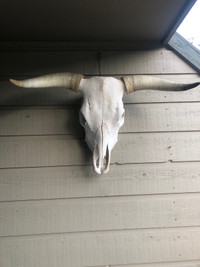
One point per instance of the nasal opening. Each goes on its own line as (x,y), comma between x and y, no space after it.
(101,163)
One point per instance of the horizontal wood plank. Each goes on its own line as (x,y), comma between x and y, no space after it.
(158,61)
(40,121)
(139,62)
(98,214)
(138,118)
(35,151)
(57,150)
(163,264)
(82,181)
(101,248)
(26,63)
(162,117)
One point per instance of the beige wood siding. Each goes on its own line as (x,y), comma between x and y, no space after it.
(55,211)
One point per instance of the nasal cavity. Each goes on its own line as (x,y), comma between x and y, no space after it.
(101,164)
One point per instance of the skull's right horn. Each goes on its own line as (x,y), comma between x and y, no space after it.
(69,80)
(143,82)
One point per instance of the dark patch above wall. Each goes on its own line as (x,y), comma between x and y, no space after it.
(117,24)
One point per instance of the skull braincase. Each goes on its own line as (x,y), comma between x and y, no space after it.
(102,115)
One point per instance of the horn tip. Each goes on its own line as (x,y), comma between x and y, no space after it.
(15,82)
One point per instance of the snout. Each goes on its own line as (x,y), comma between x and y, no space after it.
(102,150)
(101,160)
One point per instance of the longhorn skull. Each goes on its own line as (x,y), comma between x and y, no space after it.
(102,111)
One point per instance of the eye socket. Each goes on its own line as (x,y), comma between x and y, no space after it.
(82,119)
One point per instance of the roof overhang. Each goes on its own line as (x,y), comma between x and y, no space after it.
(115,24)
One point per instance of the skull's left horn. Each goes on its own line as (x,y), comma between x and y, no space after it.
(69,80)
(143,82)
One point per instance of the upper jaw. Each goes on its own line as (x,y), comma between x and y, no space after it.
(99,159)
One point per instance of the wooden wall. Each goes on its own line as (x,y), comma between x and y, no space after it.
(55,211)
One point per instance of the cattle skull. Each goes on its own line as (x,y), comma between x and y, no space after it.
(102,111)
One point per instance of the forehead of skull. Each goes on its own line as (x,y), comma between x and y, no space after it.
(102,102)
(102,93)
